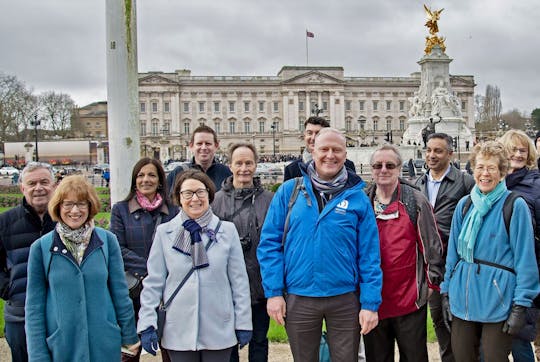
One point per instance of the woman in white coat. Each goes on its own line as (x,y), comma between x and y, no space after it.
(212,311)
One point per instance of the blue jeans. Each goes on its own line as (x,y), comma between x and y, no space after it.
(16,338)
(522,350)
(258,346)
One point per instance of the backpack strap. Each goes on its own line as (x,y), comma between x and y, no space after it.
(508,208)
(297,186)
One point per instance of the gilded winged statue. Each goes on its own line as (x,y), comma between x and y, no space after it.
(433,17)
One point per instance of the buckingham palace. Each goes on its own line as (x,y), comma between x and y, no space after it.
(269,111)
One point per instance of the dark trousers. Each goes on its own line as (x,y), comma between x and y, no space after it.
(467,337)
(258,346)
(16,339)
(443,336)
(409,331)
(200,356)
(305,316)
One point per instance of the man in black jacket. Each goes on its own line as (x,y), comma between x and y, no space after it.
(203,144)
(19,228)
(444,185)
(312,126)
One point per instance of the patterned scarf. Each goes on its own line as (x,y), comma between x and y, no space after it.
(147,204)
(189,241)
(327,189)
(75,240)
(474,218)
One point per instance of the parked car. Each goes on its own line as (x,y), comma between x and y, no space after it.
(418,165)
(100,167)
(172,165)
(8,171)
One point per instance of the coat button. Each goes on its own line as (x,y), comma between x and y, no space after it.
(64,251)
(55,248)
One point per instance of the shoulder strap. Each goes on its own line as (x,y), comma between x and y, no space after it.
(466,206)
(508,208)
(292,200)
(165,305)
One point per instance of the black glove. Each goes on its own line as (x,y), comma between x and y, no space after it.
(516,320)
(446,314)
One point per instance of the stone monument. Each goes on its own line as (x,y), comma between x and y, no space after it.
(434,107)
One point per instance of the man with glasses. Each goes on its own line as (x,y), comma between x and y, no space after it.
(312,126)
(203,144)
(327,261)
(411,261)
(444,185)
(19,228)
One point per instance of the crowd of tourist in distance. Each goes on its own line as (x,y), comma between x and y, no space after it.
(197,261)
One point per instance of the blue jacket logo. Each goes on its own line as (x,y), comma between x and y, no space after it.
(342,207)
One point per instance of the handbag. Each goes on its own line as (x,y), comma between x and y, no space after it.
(161,309)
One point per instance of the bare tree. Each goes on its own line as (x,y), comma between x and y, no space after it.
(492,103)
(56,110)
(17,107)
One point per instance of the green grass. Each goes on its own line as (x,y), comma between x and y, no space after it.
(277,333)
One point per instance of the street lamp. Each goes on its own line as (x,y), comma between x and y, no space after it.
(35,123)
(273,126)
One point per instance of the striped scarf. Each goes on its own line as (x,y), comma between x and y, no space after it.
(189,241)
(327,189)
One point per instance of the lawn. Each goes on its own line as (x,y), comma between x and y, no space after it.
(276,333)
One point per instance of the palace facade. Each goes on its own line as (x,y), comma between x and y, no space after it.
(270,111)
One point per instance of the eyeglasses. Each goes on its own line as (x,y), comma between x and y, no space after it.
(521,151)
(379,165)
(188,194)
(68,205)
(489,169)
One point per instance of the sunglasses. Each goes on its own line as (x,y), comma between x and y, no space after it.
(378,166)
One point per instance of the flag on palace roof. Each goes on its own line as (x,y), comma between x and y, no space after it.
(309,34)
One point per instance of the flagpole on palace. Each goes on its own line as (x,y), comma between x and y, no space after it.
(307,51)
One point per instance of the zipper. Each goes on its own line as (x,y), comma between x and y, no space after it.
(499,291)
(467,293)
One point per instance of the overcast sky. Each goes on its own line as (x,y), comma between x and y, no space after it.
(59,45)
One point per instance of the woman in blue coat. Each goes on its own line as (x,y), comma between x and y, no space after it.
(77,304)
(491,274)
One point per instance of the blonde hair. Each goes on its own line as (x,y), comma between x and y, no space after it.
(82,189)
(514,138)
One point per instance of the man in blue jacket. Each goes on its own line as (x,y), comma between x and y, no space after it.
(328,263)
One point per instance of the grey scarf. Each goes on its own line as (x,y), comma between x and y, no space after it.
(189,242)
